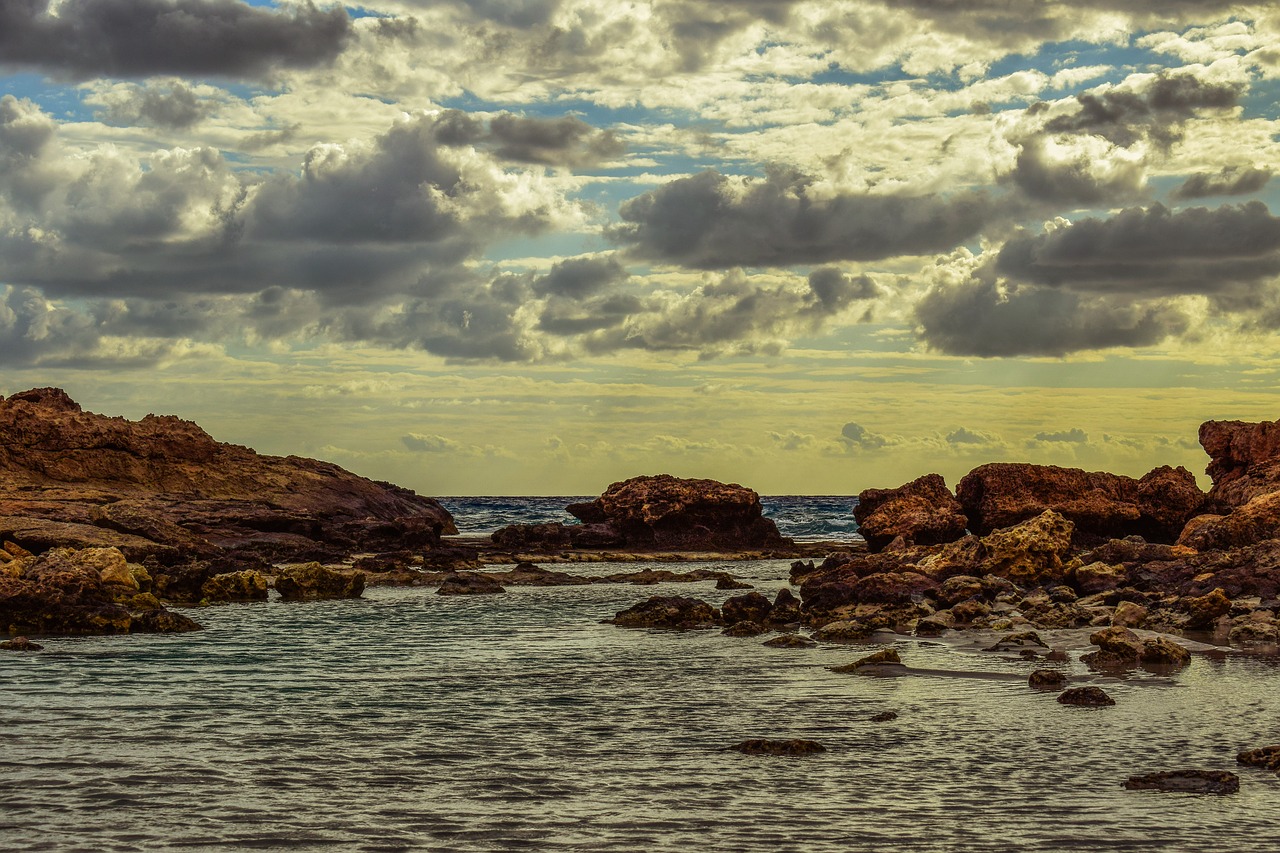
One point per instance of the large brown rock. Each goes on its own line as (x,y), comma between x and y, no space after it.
(1244,460)
(1032,553)
(922,512)
(165,481)
(89,591)
(1255,521)
(669,512)
(668,611)
(1101,505)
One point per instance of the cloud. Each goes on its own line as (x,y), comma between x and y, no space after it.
(430,443)
(1075,435)
(565,141)
(968,311)
(856,435)
(710,221)
(82,39)
(1229,180)
(1151,250)
(170,104)
(971,437)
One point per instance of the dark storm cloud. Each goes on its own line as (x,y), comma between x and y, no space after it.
(1157,113)
(856,435)
(976,317)
(567,141)
(139,38)
(1230,180)
(172,105)
(565,317)
(578,278)
(1077,178)
(708,222)
(835,290)
(1151,251)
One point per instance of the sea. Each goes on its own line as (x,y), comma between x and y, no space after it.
(405,720)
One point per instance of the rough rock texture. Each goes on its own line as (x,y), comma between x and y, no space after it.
(162,487)
(1087,696)
(314,582)
(1255,521)
(1267,757)
(1047,679)
(235,586)
(1244,460)
(663,611)
(1031,553)
(21,644)
(669,512)
(880,658)
(90,591)
(1187,782)
(470,583)
(790,641)
(1101,505)
(761,746)
(922,512)
(752,607)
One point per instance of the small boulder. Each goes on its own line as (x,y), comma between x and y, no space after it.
(761,746)
(1267,757)
(1187,782)
(1047,679)
(790,641)
(1092,697)
(731,583)
(1018,641)
(843,631)
(1204,611)
(885,717)
(1100,577)
(1128,615)
(20,644)
(1030,553)
(751,607)
(1163,653)
(248,585)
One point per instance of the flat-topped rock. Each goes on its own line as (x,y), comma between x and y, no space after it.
(1101,505)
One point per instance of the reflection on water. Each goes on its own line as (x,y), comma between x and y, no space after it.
(408,720)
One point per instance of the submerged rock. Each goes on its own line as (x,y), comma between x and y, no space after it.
(470,583)
(21,644)
(884,656)
(885,717)
(1087,696)
(745,629)
(790,641)
(1047,679)
(762,746)
(1187,782)
(1267,757)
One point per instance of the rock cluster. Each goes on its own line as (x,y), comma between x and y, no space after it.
(658,512)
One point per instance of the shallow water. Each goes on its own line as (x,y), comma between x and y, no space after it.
(411,721)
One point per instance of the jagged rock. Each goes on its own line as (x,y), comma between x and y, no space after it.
(1204,611)
(1129,615)
(967,612)
(1267,757)
(470,583)
(21,644)
(922,512)
(136,484)
(314,582)
(1031,553)
(752,607)
(1249,631)
(63,591)
(731,583)
(1244,460)
(790,641)
(1253,522)
(1101,505)
(779,747)
(935,624)
(669,512)
(450,558)
(786,608)
(1187,782)
(1117,648)
(957,589)
(668,611)
(235,586)
(1087,696)
(745,629)
(1099,576)
(884,656)
(1047,679)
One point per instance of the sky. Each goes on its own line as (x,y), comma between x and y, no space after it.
(539,246)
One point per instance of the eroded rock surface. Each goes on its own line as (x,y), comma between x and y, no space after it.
(922,512)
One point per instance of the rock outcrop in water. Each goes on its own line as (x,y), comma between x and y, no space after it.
(89,591)
(162,488)
(923,512)
(656,513)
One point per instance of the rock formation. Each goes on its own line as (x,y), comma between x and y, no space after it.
(1101,505)
(654,513)
(923,512)
(161,487)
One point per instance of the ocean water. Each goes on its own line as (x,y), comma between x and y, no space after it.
(802,518)
(406,720)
